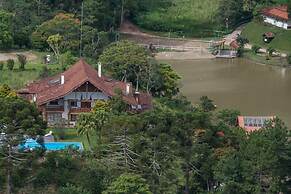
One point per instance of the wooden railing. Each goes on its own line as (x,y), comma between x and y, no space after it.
(79,110)
(54,108)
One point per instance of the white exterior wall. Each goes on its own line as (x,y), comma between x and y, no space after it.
(86,95)
(278,23)
(66,110)
(79,96)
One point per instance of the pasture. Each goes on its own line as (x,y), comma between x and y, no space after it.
(195,18)
(255,29)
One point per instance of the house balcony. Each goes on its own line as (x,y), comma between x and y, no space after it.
(54,109)
(80,110)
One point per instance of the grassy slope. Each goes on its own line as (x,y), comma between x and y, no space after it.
(17,79)
(193,17)
(254,30)
(276,61)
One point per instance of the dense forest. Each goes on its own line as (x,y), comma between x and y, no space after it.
(174,148)
(29,23)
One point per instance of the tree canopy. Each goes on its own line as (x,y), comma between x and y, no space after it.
(128,61)
(6,34)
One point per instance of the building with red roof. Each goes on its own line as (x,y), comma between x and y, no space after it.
(234,45)
(74,91)
(277,16)
(250,123)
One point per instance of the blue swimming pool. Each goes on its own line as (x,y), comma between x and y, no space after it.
(31,144)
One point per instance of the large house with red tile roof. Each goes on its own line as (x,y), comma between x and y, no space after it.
(277,16)
(64,96)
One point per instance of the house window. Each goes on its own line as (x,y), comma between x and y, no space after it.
(85,104)
(54,117)
(54,102)
(74,117)
(74,104)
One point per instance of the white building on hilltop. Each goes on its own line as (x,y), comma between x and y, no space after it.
(277,16)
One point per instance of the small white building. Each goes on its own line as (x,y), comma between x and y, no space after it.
(277,16)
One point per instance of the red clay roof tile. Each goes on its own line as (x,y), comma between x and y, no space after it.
(49,89)
(280,12)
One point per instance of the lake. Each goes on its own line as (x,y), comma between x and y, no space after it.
(254,89)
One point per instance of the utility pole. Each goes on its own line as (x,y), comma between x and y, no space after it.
(226,24)
(81,28)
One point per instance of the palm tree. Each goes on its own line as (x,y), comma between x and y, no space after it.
(92,122)
(86,125)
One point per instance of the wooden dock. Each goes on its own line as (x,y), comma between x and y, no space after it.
(228,54)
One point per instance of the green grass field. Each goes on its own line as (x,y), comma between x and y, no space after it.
(255,29)
(184,17)
(17,78)
(71,135)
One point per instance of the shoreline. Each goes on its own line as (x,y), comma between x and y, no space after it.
(187,55)
(274,61)
(248,55)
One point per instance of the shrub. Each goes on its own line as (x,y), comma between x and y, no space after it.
(240,51)
(289,59)
(271,51)
(66,60)
(256,48)
(10,64)
(58,169)
(1,65)
(94,178)
(129,184)
(242,40)
(72,189)
(44,72)
(22,61)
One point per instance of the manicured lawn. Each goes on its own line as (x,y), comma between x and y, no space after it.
(17,78)
(192,17)
(254,31)
(71,135)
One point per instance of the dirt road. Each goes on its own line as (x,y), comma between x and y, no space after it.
(195,48)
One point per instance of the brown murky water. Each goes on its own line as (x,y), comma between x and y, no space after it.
(241,84)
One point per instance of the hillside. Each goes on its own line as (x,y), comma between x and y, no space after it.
(198,18)
(254,31)
(183,17)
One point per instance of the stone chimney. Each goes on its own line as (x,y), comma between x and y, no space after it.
(99,70)
(62,79)
(137,96)
(34,98)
